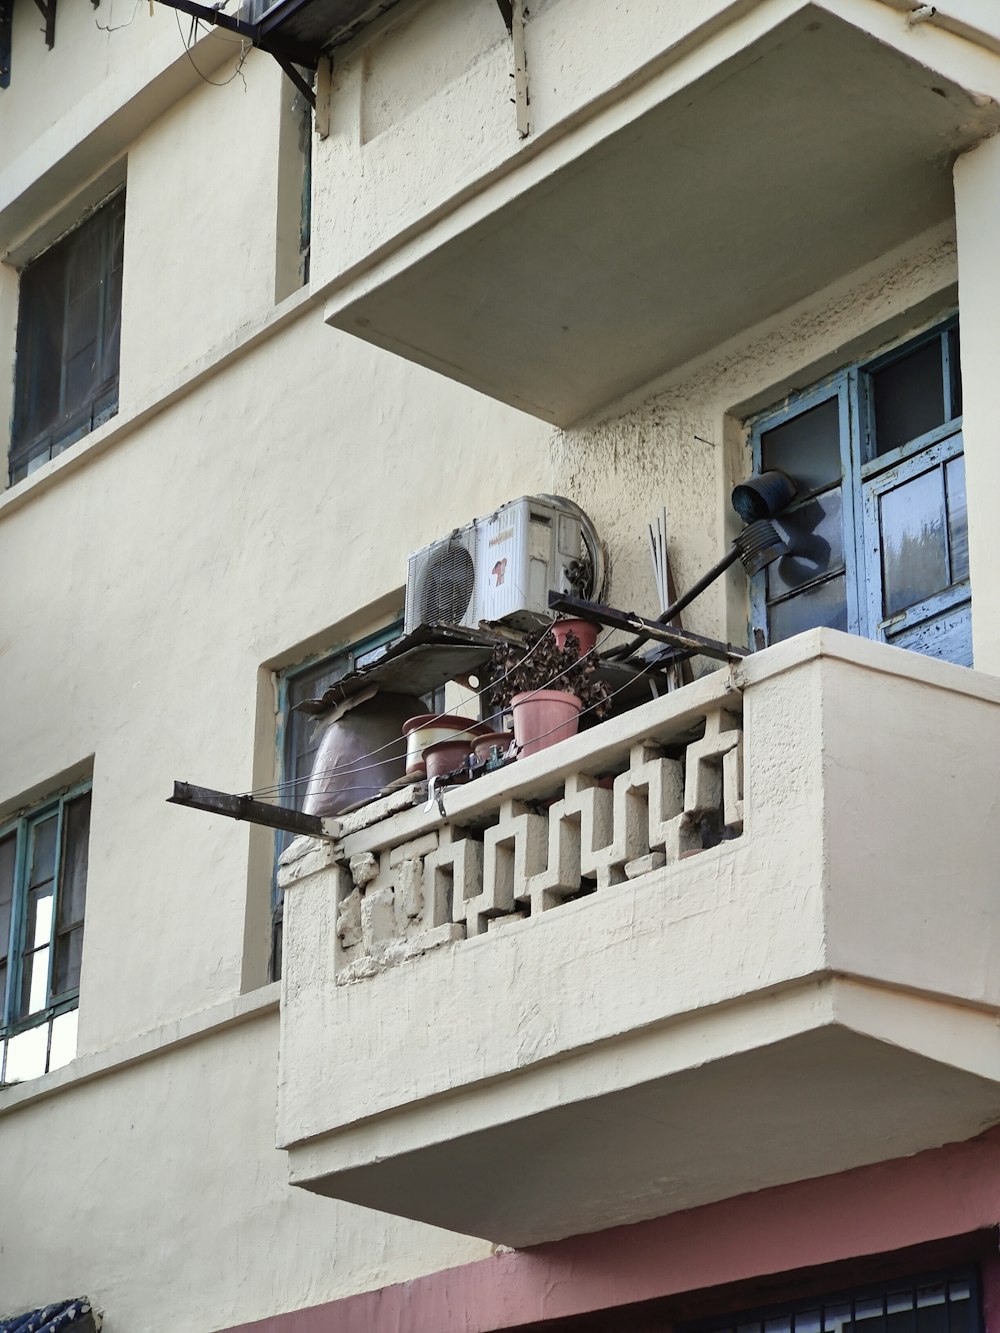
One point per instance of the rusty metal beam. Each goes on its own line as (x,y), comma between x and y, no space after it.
(652,629)
(245,807)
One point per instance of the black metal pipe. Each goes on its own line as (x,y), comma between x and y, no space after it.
(626,650)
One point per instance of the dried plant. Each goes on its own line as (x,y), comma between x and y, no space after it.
(540,664)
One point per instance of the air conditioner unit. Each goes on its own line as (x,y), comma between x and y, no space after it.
(501,567)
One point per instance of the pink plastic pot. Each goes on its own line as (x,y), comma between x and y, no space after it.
(585,630)
(543,718)
(426,729)
(445,756)
(484,744)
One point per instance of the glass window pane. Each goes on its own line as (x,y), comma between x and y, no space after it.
(38,925)
(814,532)
(43,850)
(8,850)
(69,951)
(909,397)
(34,983)
(958,519)
(807,447)
(63,1045)
(911,525)
(73,880)
(823,604)
(26,1054)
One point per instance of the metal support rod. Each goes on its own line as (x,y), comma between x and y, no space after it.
(245,807)
(296,78)
(697,588)
(649,629)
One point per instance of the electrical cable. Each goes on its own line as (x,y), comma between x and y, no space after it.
(245,49)
(356,766)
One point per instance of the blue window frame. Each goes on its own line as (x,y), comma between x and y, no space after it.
(878,538)
(43,893)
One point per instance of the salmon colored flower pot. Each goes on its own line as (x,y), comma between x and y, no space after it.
(585,630)
(484,745)
(426,729)
(445,756)
(543,718)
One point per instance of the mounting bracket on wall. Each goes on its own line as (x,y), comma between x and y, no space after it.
(513,13)
(48,12)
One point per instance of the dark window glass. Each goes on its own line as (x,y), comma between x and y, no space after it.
(73,881)
(68,336)
(823,604)
(807,447)
(896,1307)
(814,532)
(958,519)
(914,550)
(909,397)
(8,855)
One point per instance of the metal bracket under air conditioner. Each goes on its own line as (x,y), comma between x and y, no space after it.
(513,12)
(286,55)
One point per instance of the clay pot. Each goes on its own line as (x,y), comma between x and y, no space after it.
(585,630)
(426,729)
(543,718)
(445,756)
(483,745)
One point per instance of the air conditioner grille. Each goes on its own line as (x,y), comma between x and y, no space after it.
(448,585)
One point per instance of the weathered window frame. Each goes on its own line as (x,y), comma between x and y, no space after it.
(13,1023)
(48,419)
(865,476)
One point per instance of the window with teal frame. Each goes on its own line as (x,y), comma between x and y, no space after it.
(43,893)
(878,536)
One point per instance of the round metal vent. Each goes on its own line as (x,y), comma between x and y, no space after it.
(447,586)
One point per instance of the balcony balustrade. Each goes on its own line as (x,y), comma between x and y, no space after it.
(744,934)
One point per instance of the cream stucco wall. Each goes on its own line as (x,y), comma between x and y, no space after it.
(255,500)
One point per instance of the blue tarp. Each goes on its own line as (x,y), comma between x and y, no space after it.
(75,1314)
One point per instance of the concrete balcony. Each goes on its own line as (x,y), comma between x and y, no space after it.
(768,152)
(763,948)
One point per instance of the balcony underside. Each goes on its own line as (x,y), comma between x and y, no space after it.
(805,156)
(820,1102)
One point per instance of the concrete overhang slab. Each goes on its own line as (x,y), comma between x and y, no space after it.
(816,1103)
(811,152)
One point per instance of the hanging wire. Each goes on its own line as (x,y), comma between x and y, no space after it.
(348,769)
(245,49)
(356,766)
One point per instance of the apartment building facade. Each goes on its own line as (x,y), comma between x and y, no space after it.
(544,1054)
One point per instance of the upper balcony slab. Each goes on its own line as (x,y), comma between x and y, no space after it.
(680,214)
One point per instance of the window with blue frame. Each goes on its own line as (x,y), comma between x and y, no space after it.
(878,536)
(299,735)
(43,893)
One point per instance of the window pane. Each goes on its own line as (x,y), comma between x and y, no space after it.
(69,951)
(38,926)
(814,532)
(909,397)
(26,1054)
(62,1048)
(958,519)
(43,850)
(823,604)
(8,848)
(73,880)
(34,983)
(911,525)
(807,447)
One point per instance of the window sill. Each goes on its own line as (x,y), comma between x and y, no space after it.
(181,1032)
(130,416)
